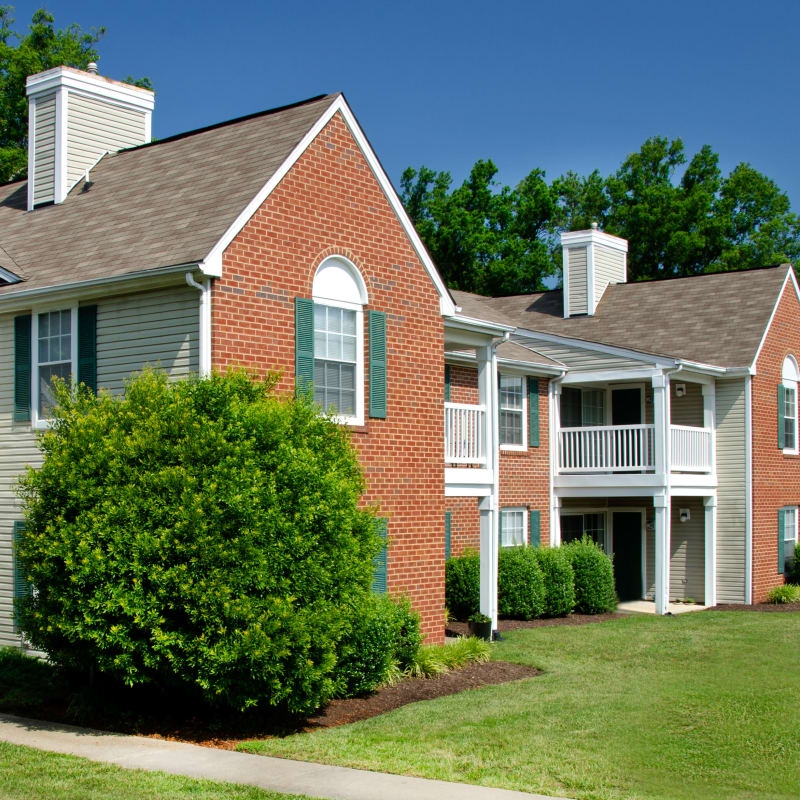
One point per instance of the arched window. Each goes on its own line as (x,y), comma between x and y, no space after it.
(339,295)
(787,406)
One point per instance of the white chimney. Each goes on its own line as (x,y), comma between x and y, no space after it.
(74,118)
(591,260)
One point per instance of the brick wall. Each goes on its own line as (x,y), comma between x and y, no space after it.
(524,475)
(776,477)
(329,203)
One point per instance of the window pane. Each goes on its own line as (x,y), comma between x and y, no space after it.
(66,321)
(349,322)
(511,427)
(44,350)
(593,407)
(46,374)
(349,348)
(65,348)
(510,392)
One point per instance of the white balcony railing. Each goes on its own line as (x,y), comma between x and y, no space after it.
(691,449)
(464,438)
(606,448)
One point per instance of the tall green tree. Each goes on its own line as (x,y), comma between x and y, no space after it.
(41,48)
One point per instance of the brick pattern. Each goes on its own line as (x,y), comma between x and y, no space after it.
(330,203)
(524,475)
(776,476)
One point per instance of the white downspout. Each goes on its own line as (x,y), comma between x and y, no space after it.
(205,322)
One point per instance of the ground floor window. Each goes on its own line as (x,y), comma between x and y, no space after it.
(789,537)
(573,526)
(512,527)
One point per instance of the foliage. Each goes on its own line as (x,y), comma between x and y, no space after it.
(520,585)
(794,568)
(594,577)
(27,683)
(788,593)
(381,634)
(680,215)
(462,584)
(435,659)
(558,578)
(203,533)
(479,618)
(42,47)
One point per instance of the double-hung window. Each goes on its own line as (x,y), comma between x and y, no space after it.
(512,412)
(335,359)
(55,350)
(512,527)
(787,533)
(787,407)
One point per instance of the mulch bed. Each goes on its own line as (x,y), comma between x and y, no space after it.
(757,607)
(462,628)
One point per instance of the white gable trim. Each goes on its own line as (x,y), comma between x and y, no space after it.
(789,276)
(212,264)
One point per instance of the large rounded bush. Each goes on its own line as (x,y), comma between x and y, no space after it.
(203,533)
(594,577)
(462,585)
(520,586)
(559,589)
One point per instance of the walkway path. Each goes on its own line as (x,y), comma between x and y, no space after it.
(276,774)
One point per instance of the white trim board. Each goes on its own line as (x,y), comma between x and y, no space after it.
(789,276)
(212,264)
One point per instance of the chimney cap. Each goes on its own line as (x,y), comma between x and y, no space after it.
(594,224)
(91,68)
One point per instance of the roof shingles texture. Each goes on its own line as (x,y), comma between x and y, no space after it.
(714,319)
(155,206)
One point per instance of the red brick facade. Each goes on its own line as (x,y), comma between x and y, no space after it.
(330,203)
(776,476)
(524,475)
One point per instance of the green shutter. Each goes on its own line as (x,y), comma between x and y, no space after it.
(448,532)
(377,364)
(533,412)
(781,416)
(781,542)
(447,383)
(22,587)
(304,345)
(87,347)
(22,368)
(534,534)
(380,560)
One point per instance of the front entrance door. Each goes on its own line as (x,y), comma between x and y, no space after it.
(628,554)
(626,406)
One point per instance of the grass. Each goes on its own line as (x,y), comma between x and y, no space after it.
(27,773)
(695,706)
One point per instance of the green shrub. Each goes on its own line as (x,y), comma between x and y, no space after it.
(435,659)
(594,577)
(520,586)
(788,593)
(462,584)
(203,533)
(406,636)
(558,578)
(793,575)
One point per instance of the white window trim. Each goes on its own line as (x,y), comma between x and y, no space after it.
(524,511)
(38,422)
(789,382)
(519,448)
(796,527)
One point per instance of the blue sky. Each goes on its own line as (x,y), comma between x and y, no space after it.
(569,85)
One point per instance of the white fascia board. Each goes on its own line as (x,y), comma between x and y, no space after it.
(475,325)
(96,287)
(578,238)
(92,85)
(610,375)
(212,264)
(523,367)
(789,276)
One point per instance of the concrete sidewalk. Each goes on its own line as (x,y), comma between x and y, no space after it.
(276,774)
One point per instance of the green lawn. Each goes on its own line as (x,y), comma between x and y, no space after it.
(701,705)
(26,773)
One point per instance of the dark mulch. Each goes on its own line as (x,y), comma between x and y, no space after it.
(462,628)
(757,607)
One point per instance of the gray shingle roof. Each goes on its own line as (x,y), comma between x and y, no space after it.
(713,319)
(158,205)
(513,351)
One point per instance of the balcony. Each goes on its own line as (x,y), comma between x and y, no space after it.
(631,448)
(464,434)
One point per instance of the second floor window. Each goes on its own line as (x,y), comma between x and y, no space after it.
(53,354)
(787,407)
(335,359)
(512,410)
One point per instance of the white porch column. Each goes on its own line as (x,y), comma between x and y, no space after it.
(555,521)
(710,594)
(488,551)
(661,503)
(661,424)
(710,419)
(485,395)
(554,408)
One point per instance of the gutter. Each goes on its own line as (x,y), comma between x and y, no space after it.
(205,322)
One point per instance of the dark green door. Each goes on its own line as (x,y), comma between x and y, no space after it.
(628,554)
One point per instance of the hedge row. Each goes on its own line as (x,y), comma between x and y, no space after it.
(536,582)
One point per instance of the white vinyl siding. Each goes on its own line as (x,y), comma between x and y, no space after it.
(731,476)
(94,127)
(44,138)
(609,267)
(157,329)
(576,270)
(687,550)
(687,410)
